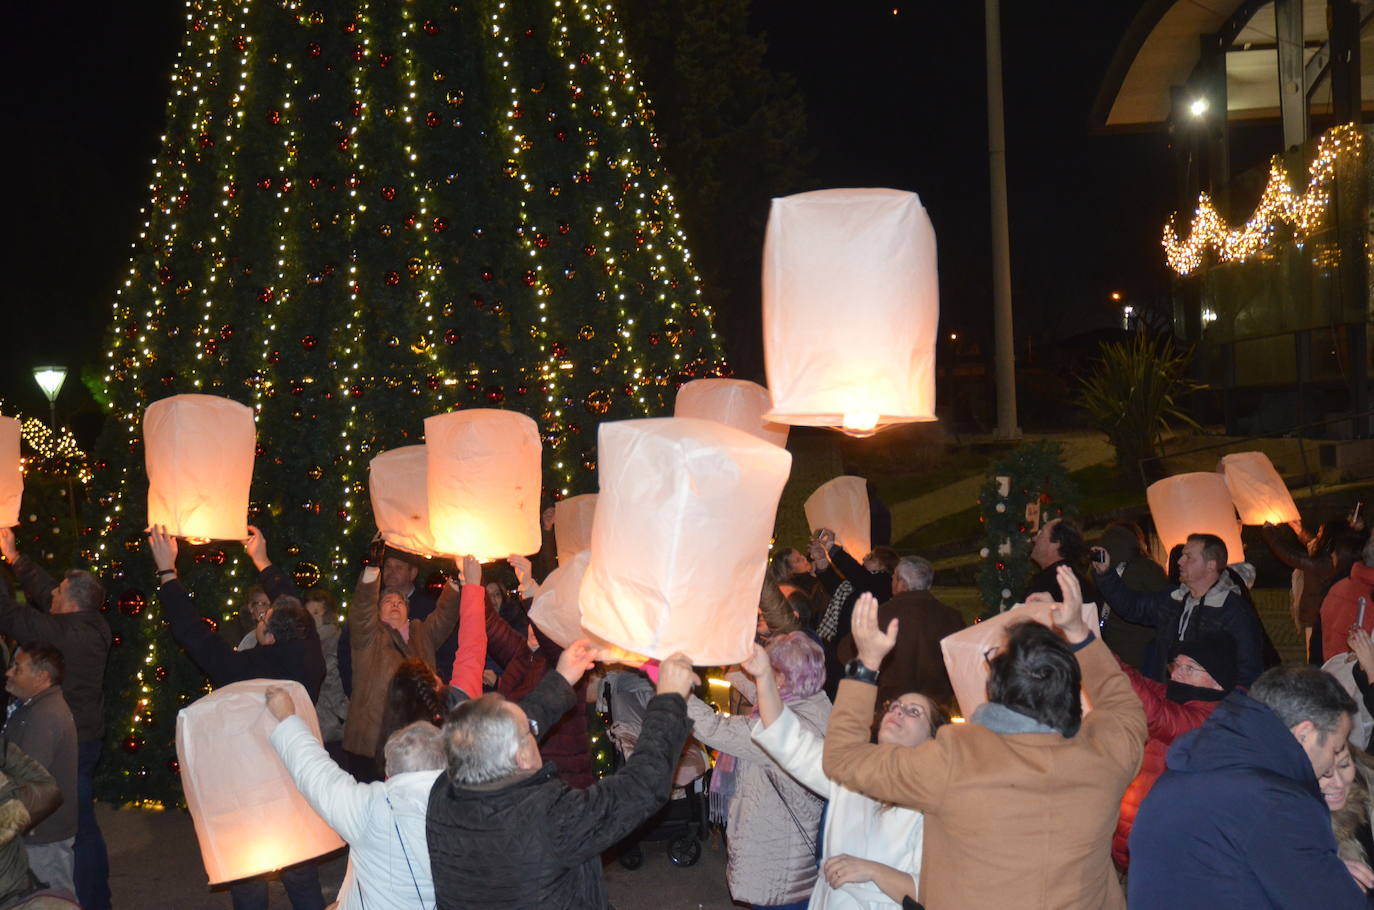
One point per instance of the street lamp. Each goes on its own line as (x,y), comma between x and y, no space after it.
(50,379)
(1199,106)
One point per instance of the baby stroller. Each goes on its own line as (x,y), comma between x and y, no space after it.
(682,822)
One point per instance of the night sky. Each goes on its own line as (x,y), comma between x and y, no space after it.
(892,101)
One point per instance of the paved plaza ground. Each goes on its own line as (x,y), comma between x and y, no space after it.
(155,864)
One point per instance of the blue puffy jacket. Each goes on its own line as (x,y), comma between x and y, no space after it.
(1237,820)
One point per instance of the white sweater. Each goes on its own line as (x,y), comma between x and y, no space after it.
(854,825)
(383,823)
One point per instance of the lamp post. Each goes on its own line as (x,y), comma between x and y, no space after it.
(50,379)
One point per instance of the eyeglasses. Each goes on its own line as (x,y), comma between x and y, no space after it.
(915,712)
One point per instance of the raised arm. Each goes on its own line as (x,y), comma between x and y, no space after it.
(331,791)
(1144,607)
(1291,556)
(583,823)
(37,584)
(273,580)
(364,623)
(728,734)
(472,642)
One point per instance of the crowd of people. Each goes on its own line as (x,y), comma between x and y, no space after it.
(1159,756)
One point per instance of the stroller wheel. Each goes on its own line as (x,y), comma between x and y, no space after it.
(632,857)
(685,851)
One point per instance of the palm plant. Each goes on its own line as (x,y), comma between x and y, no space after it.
(1133,396)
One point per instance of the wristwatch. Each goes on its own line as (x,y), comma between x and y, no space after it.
(856,669)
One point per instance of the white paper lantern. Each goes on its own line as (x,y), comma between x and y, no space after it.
(681,537)
(249,816)
(735,402)
(484,483)
(850,309)
(398,484)
(11,472)
(967,651)
(198,450)
(841,505)
(572,525)
(1257,489)
(555,609)
(1196,503)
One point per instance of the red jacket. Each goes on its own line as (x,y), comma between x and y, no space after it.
(1166,721)
(567,745)
(1341,608)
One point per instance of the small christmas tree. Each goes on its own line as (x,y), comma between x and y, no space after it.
(1023,491)
(362,215)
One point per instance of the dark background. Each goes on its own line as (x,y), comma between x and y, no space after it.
(889,100)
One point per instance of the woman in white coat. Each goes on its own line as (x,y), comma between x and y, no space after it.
(871,851)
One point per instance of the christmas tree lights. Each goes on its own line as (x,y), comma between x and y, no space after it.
(1279,204)
(363,214)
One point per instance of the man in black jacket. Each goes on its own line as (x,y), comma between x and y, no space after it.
(67,616)
(292,651)
(1207,603)
(505,832)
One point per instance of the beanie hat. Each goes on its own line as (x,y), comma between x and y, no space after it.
(1216,654)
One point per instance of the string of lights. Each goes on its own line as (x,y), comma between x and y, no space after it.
(1279,204)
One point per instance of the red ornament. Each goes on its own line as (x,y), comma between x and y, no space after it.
(541,240)
(309,341)
(131,744)
(383,59)
(274,117)
(487,275)
(495,394)
(452,336)
(160,673)
(530,277)
(356,108)
(265,295)
(274,357)
(388,193)
(564,227)
(440,225)
(430,27)
(353,181)
(312,49)
(264,183)
(393,278)
(356,391)
(432,119)
(590,249)
(654,338)
(131,603)
(174,766)
(473,385)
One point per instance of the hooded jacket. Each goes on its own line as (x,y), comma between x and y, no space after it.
(1341,609)
(1238,820)
(1179,616)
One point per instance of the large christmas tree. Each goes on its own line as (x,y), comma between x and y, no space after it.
(363,214)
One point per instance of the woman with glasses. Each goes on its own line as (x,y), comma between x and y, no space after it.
(871,851)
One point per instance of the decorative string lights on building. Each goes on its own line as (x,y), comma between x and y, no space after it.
(1279,204)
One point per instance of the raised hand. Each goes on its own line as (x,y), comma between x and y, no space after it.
(7,546)
(872,643)
(576,659)
(757,665)
(256,547)
(1068,616)
(1362,647)
(472,571)
(524,572)
(675,676)
(279,702)
(163,546)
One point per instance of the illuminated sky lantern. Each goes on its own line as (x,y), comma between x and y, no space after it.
(966,652)
(572,525)
(681,537)
(841,505)
(850,310)
(735,402)
(555,609)
(11,473)
(398,484)
(1257,489)
(249,816)
(484,481)
(1196,503)
(199,452)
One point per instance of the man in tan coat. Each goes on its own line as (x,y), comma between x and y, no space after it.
(1021,801)
(384,635)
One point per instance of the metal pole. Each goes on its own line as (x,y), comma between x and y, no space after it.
(1001,241)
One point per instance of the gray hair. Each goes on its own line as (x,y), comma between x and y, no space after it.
(914,572)
(483,739)
(416,747)
(85,590)
(1298,693)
